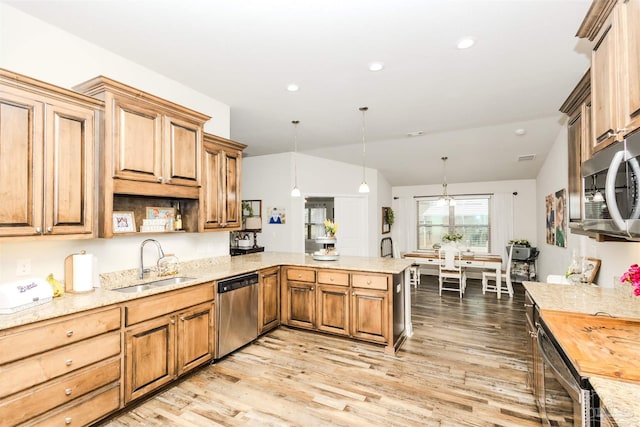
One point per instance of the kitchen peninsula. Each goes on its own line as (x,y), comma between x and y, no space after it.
(84,352)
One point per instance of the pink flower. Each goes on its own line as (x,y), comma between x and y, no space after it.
(632,276)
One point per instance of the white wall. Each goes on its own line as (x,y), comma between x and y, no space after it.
(616,256)
(271,177)
(36,49)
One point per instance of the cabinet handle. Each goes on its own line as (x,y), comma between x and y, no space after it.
(49,229)
(68,362)
(331,278)
(38,230)
(528,305)
(368,282)
(160,179)
(299,276)
(620,130)
(67,391)
(312,288)
(70,333)
(182,318)
(173,321)
(67,420)
(533,334)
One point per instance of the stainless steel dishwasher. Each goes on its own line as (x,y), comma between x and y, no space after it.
(237,313)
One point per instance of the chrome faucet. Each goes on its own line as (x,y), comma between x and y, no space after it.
(143,270)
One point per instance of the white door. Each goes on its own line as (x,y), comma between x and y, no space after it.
(351,215)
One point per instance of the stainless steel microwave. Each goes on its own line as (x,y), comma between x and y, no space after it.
(611,189)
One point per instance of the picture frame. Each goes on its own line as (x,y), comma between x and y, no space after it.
(161,212)
(591,267)
(386,224)
(124,222)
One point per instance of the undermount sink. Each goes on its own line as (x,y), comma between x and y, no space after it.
(155,284)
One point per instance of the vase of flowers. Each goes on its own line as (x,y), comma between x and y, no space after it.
(632,276)
(330,227)
(452,238)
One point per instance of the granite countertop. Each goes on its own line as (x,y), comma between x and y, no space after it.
(202,271)
(619,396)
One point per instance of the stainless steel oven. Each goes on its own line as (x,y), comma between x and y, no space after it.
(567,398)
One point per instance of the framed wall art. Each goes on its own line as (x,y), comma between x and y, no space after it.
(124,222)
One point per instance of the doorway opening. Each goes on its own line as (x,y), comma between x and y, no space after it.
(316,210)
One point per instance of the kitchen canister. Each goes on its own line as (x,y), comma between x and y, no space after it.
(78,272)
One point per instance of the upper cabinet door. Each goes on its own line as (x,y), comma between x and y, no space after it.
(630,88)
(21,164)
(69,160)
(604,89)
(137,145)
(182,152)
(233,165)
(213,188)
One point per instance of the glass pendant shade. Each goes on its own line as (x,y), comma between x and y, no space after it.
(295,192)
(445,199)
(364,188)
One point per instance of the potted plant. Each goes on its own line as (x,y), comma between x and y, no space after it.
(519,242)
(452,238)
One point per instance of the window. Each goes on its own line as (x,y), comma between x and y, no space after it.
(470,216)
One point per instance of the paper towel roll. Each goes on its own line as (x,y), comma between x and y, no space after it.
(82,272)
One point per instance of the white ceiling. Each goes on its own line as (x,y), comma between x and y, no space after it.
(468,102)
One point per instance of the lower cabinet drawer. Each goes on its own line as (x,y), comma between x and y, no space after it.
(31,403)
(24,374)
(84,411)
(369,281)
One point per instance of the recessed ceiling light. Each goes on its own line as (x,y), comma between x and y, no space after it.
(416,133)
(520,132)
(293,87)
(376,66)
(465,43)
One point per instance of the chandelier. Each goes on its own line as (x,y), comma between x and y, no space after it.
(445,199)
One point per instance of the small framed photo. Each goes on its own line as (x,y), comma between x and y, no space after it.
(164,212)
(124,222)
(591,267)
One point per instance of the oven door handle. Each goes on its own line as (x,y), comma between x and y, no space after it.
(572,387)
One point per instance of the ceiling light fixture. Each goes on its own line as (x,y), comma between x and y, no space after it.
(364,187)
(293,87)
(296,191)
(520,132)
(445,199)
(376,66)
(465,43)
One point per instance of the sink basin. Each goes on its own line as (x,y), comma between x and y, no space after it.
(170,281)
(153,285)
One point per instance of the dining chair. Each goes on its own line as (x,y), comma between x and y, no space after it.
(489,283)
(386,247)
(450,272)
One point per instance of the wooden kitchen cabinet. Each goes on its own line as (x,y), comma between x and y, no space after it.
(196,330)
(333,309)
(615,69)
(268,299)
(300,297)
(166,336)
(53,367)
(371,307)
(46,159)
(149,147)
(578,108)
(221,196)
(333,302)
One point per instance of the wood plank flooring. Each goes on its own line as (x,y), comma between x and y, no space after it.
(465,365)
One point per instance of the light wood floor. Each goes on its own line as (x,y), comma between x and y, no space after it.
(464,366)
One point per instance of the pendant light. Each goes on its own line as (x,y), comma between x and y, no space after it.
(296,191)
(445,199)
(364,187)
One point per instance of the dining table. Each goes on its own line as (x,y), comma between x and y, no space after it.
(467,259)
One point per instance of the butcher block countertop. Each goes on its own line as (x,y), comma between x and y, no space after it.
(604,347)
(597,345)
(201,270)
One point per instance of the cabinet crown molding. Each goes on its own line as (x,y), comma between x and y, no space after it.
(578,95)
(595,17)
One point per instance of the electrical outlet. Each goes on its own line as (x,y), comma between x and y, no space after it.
(24,267)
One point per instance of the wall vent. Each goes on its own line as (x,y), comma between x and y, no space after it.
(526,157)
